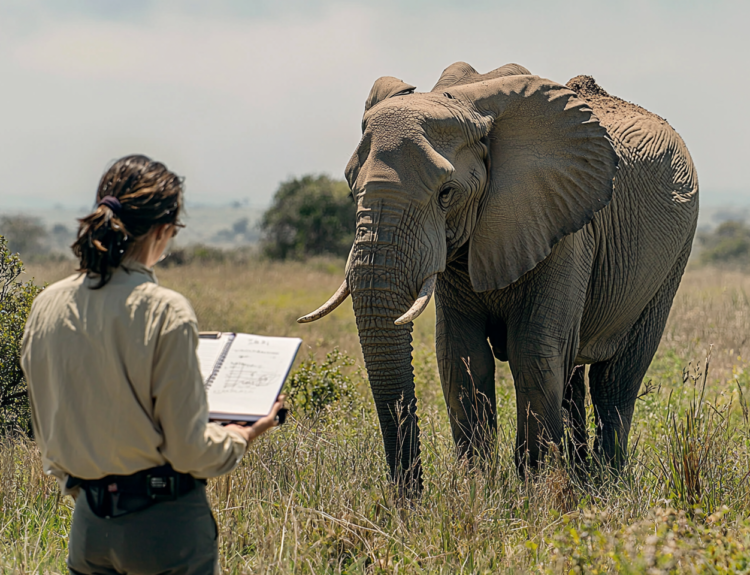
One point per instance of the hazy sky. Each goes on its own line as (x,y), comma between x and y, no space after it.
(237,95)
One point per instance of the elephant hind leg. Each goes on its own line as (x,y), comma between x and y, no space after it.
(615,383)
(574,406)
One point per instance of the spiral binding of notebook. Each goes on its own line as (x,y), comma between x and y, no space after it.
(220,361)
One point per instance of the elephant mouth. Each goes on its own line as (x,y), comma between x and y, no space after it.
(420,304)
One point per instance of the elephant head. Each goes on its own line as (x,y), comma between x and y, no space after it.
(492,170)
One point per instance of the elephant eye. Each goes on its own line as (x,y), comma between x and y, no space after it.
(445,196)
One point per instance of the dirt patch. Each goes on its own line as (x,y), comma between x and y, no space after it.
(609,109)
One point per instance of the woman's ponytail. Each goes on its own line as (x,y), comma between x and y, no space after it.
(134,195)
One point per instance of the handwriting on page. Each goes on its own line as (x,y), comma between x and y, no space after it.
(251,363)
(241,375)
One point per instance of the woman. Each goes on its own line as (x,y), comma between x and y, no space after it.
(118,404)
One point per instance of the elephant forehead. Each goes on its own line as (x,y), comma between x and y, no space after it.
(425,120)
(409,143)
(390,126)
(408,169)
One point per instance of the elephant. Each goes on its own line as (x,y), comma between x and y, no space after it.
(553,224)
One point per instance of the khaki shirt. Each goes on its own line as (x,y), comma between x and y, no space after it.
(114,381)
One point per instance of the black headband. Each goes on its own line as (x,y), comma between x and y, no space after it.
(112,203)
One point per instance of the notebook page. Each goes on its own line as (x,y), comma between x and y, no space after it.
(252,374)
(209,351)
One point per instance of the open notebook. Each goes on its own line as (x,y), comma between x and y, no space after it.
(244,373)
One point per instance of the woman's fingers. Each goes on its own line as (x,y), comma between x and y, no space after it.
(262,425)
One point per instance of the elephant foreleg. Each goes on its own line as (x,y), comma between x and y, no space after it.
(539,378)
(467,374)
(543,337)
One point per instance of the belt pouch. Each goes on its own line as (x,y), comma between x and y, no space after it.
(109,504)
(98,499)
(115,496)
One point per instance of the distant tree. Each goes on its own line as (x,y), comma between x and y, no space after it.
(728,244)
(311,215)
(240,226)
(24,234)
(15,303)
(241,232)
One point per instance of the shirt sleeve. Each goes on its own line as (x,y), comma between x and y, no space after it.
(191,444)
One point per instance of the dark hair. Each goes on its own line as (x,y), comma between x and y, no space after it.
(143,194)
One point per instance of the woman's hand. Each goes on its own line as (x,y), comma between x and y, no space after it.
(252,432)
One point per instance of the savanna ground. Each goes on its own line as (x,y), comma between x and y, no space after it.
(313,496)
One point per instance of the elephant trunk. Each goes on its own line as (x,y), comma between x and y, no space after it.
(379,298)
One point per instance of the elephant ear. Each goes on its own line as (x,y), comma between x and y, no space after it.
(551,168)
(387,87)
(461,73)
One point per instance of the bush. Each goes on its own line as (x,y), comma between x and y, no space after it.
(15,303)
(201,254)
(198,253)
(309,216)
(727,245)
(312,387)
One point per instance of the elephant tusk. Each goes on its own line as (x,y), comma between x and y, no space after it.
(341,294)
(425,294)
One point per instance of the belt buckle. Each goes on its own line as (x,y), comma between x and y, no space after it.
(161,487)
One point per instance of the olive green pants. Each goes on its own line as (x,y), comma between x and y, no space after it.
(168,538)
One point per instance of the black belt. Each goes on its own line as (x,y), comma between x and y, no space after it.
(118,495)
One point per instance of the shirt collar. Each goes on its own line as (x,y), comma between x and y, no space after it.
(134,266)
(120,273)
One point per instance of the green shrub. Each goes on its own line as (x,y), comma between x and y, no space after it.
(727,245)
(203,254)
(309,216)
(197,253)
(312,387)
(15,303)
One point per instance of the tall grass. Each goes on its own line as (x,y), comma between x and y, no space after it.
(314,497)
